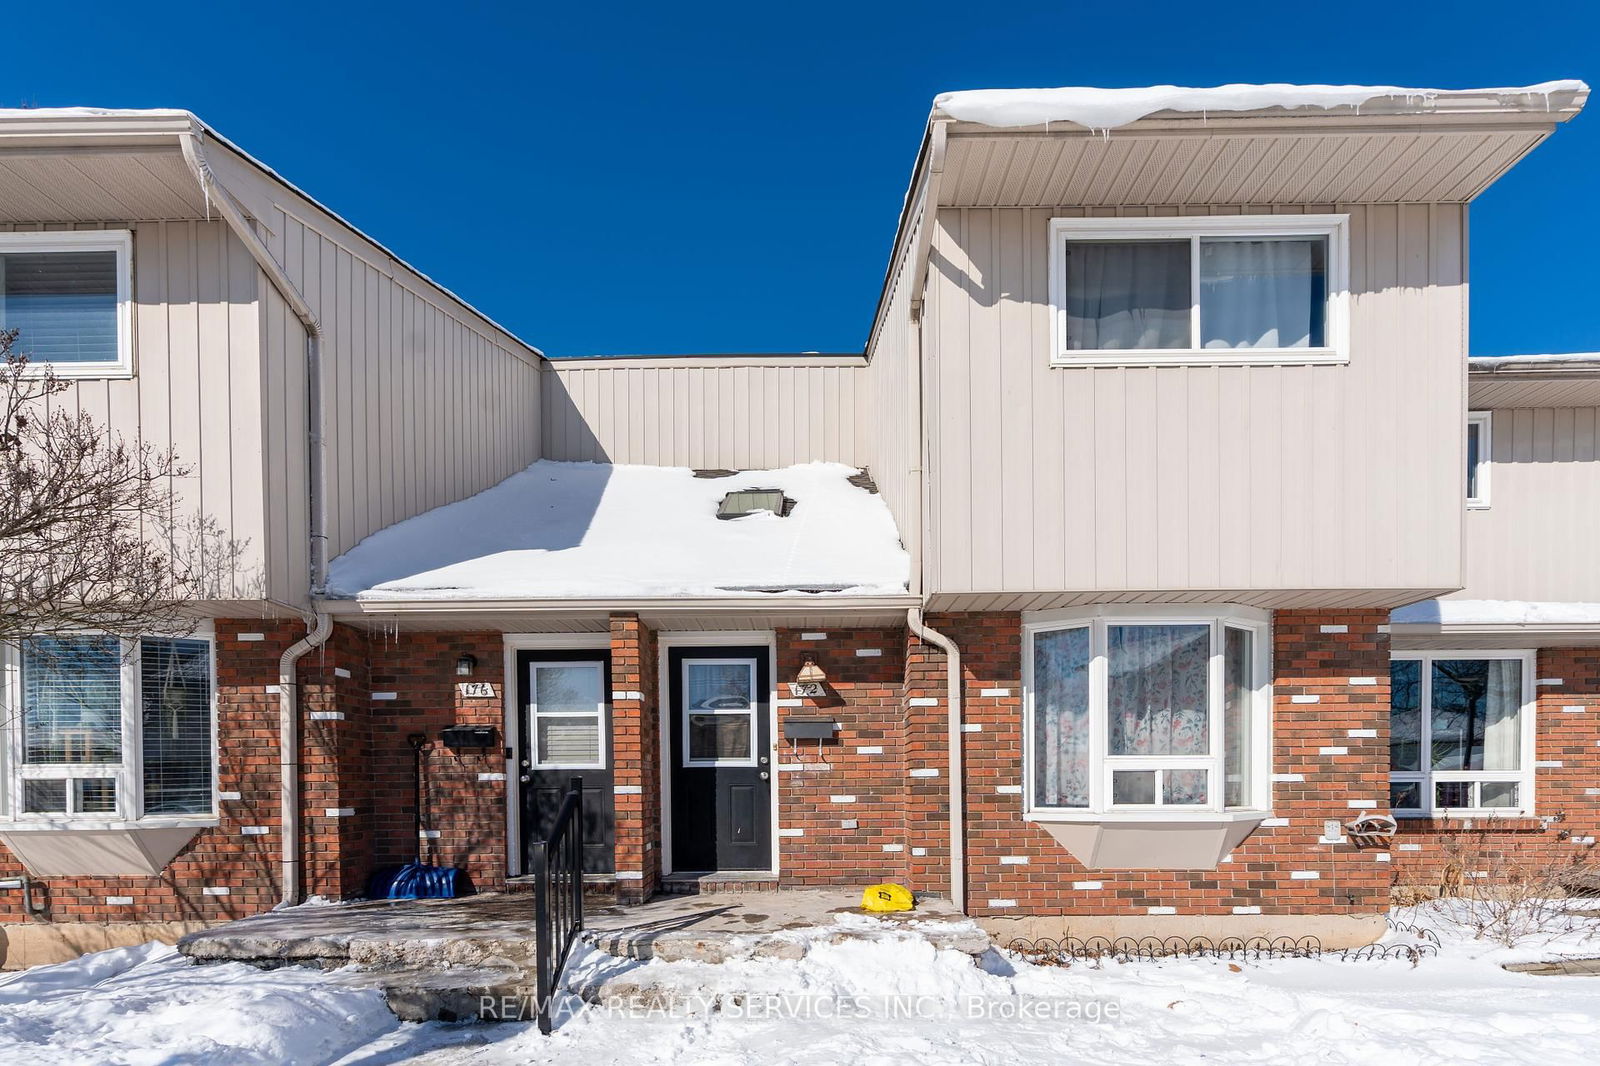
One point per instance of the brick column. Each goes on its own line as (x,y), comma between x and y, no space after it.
(635,755)
(337,799)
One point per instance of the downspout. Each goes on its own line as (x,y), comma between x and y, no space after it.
(958,837)
(320,624)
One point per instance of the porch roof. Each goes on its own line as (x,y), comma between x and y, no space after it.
(579,534)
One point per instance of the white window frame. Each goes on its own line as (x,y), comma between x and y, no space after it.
(1484,420)
(119,241)
(749,712)
(1258,798)
(1523,776)
(1336,322)
(599,714)
(129,773)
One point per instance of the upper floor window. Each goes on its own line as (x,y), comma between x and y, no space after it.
(1478,426)
(1203,290)
(109,730)
(1461,733)
(1156,712)
(67,296)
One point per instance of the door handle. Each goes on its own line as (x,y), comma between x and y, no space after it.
(526,778)
(763,760)
(765,776)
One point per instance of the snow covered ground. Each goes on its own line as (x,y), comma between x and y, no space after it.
(890,999)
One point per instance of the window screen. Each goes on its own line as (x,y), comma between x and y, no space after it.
(175,681)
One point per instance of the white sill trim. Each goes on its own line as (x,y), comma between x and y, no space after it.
(44,825)
(1465,812)
(1155,814)
(80,371)
(1203,357)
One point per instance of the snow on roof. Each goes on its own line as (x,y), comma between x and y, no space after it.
(1104,109)
(1554,361)
(95,112)
(1496,612)
(596,531)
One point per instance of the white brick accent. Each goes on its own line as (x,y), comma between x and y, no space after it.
(1013,860)
(1161,910)
(255,830)
(841,799)
(1269,822)
(1289,777)
(250,637)
(1549,682)
(1335,629)
(227,796)
(869,749)
(1001,904)
(428,834)
(894,847)
(919,851)
(1305,699)
(925,771)
(994,692)
(1357,733)
(850,823)
(1583,840)
(1381,856)
(119,901)
(214,890)
(327,716)
(804,767)
(1572,708)
(629,875)
(339,812)
(1477,873)
(1363,681)
(491,777)
(629,694)
(1247,910)
(1008,790)
(791,703)
(339,671)
(383,695)
(1088,886)
(1333,750)
(1383,628)
(868,653)
(1410,847)
(1591,792)
(813,636)
(1304,875)
(627,790)
(1548,764)
(972,727)
(923,701)
(1359,805)
(791,832)
(273,690)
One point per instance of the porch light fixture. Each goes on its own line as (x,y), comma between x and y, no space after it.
(810,681)
(466,665)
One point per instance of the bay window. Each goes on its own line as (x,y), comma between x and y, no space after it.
(67,294)
(1199,290)
(105,730)
(1155,712)
(1461,733)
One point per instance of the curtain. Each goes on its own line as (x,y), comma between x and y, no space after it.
(1477,706)
(1262,293)
(1061,718)
(1158,698)
(1502,734)
(1127,294)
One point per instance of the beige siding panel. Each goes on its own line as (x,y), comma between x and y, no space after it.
(775,413)
(1544,508)
(1047,480)
(196,361)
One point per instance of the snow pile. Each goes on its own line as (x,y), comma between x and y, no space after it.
(1496,612)
(1104,109)
(592,530)
(149,1005)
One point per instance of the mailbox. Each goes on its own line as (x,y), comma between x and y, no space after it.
(458,737)
(809,728)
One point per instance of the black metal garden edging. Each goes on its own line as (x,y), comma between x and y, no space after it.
(1066,951)
(558,896)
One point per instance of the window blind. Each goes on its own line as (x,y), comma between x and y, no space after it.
(175,682)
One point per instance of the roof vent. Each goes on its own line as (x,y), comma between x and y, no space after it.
(749,501)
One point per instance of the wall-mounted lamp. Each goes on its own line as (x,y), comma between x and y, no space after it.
(810,681)
(466,665)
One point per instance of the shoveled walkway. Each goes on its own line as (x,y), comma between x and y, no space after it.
(436,959)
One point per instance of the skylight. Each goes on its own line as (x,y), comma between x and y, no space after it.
(749,501)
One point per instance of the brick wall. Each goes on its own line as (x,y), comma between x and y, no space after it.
(858,776)
(1446,853)
(636,756)
(1015,867)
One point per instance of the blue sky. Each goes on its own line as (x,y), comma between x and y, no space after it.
(644,177)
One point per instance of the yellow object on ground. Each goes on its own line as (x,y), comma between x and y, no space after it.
(887,897)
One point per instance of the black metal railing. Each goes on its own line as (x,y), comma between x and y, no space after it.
(558,896)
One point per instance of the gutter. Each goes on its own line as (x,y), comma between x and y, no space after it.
(320,624)
(958,816)
(632,604)
(1584,364)
(919,260)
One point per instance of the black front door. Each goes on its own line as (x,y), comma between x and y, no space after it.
(721,748)
(566,733)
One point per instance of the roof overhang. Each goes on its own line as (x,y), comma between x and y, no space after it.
(1564,380)
(670,613)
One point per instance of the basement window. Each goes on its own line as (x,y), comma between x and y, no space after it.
(746,502)
(67,296)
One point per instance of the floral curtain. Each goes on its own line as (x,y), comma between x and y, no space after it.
(1158,698)
(1061,718)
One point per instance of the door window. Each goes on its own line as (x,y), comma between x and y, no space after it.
(567,706)
(719,712)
